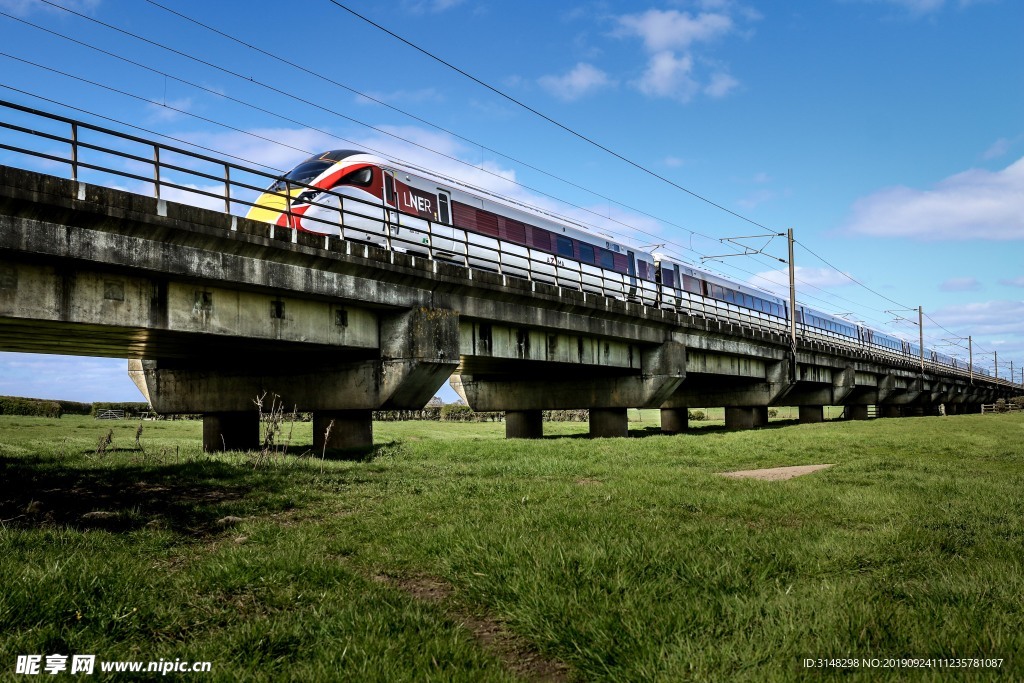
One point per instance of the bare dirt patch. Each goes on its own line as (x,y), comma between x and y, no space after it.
(776,473)
(518,656)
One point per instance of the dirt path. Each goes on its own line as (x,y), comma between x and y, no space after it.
(776,473)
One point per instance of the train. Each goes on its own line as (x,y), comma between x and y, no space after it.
(364,198)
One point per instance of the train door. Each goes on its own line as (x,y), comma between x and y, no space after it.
(390,200)
(634,294)
(442,232)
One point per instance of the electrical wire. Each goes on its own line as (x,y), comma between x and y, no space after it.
(632,228)
(376,129)
(547,118)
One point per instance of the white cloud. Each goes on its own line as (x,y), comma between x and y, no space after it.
(756,198)
(924,7)
(1000,147)
(663,30)
(429,6)
(777,281)
(1015,282)
(418,96)
(669,76)
(994,318)
(721,85)
(171,110)
(23,8)
(280,148)
(960,284)
(975,204)
(582,80)
(669,37)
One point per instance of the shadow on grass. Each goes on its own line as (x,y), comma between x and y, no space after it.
(188,497)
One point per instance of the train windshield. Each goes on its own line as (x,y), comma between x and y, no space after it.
(303,174)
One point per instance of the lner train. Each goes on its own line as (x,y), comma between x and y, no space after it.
(364,198)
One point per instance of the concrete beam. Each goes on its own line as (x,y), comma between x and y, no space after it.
(662,369)
(702,389)
(419,351)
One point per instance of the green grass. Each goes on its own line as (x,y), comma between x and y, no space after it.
(626,559)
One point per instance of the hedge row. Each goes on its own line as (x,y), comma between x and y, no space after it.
(12,405)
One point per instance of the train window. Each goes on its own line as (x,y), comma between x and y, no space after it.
(607,259)
(587,253)
(389,187)
(691,284)
(668,278)
(303,173)
(363,177)
(564,245)
(540,238)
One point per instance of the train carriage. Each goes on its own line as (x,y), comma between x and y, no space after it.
(364,198)
(367,199)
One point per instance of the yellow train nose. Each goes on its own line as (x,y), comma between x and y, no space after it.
(269,206)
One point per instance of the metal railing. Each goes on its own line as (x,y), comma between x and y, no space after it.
(167,171)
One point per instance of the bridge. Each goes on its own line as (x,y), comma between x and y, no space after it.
(213,311)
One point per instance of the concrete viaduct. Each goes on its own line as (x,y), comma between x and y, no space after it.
(214,311)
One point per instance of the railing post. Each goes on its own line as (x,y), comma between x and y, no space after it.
(74,152)
(227,189)
(288,201)
(156,170)
(341,216)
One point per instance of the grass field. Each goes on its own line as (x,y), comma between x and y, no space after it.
(453,554)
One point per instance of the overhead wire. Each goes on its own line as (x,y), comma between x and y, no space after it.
(264,138)
(547,118)
(573,132)
(291,120)
(376,129)
(630,227)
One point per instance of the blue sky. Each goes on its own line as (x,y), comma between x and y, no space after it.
(889,134)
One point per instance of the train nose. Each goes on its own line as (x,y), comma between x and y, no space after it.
(269,206)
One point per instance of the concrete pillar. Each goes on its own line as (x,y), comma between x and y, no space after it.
(890,411)
(812,414)
(231,431)
(350,429)
(856,412)
(524,424)
(674,420)
(608,422)
(743,417)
